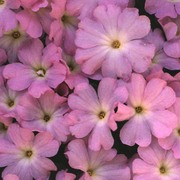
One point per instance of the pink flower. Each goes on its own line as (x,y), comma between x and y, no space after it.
(26,155)
(172,49)
(162,58)
(5,122)
(12,40)
(44,114)
(146,111)
(9,100)
(172,142)
(37,70)
(63,28)
(74,74)
(11,177)
(171,27)
(103,164)
(112,42)
(163,8)
(63,175)
(155,163)
(172,81)
(94,113)
(7,16)
(35,23)
(34,5)
(85,8)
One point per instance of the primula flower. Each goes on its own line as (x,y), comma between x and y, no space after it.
(37,70)
(172,81)
(12,40)
(172,49)
(171,27)
(7,16)
(146,111)
(93,113)
(35,18)
(11,177)
(74,74)
(103,164)
(161,58)
(85,8)
(163,8)
(172,142)
(44,114)
(9,100)
(34,5)
(4,124)
(63,28)
(26,155)
(63,175)
(155,163)
(112,42)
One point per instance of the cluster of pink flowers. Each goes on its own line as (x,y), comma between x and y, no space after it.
(80,80)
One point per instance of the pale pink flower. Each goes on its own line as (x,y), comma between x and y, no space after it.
(9,100)
(161,58)
(4,124)
(146,111)
(44,114)
(12,40)
(163,8)
(172,142)
(102,164)
(26,155)
(34,5)
(155,163)
(112,42)
(37,70)
(171,27)
(63,28)
(74,74)
(85,8)
(63,175)
(35,23)
(7,16)
(172,49)
(93,113)
(172,81)
(11,177)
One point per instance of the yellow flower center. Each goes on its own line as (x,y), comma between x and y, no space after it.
(138,109)
(46,118)
(2,2)
(3,127)
(90,172)
(16,34)
(116,44)
(10,102)
(178,131)
(163,169)
(28,153)
(101,115)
